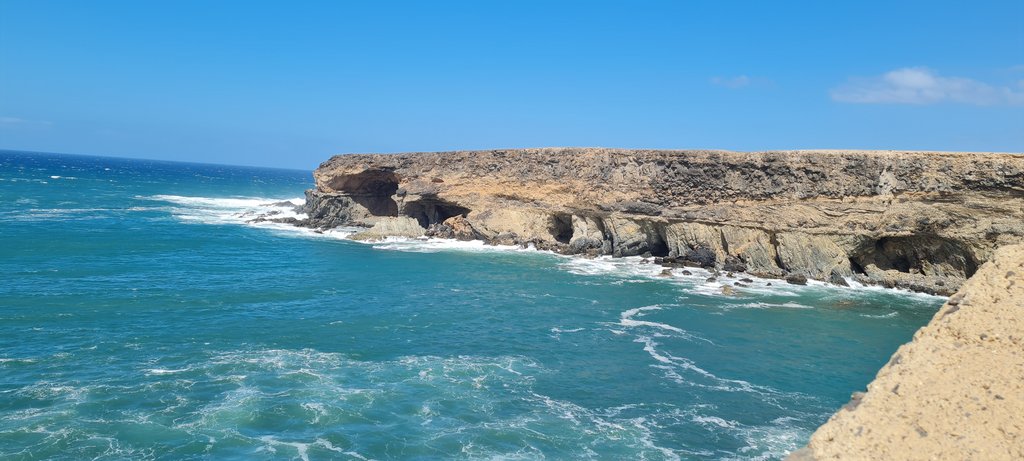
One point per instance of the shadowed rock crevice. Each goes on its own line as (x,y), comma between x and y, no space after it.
(633,237)
(659,242)
(372,189)
(920,254)
(431,210)
(561,227)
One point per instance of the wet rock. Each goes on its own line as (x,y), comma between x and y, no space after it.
(440,230)
(796,279)
(701,257)
(836,278)
(462,228)
(284,203)
(585,245)
(505,238)
(734,264)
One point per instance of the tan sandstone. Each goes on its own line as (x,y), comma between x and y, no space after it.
(955,392)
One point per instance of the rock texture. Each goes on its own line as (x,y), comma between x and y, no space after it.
(397,226)
(918,220)
(955,392)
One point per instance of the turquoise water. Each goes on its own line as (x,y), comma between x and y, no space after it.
(142,318)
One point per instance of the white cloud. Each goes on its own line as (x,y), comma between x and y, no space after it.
(15,121)
(732,82)
(919,85)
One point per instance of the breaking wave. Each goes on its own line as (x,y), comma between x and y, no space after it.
(633,269)
(309,404)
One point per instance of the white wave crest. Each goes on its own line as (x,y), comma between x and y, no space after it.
(764,305)
(627,319)
(632,269)
(434,245)
(230,210)
(881,316)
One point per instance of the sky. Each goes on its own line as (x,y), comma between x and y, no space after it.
(288,84)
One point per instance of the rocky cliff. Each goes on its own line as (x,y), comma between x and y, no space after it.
(955,392)
(918,220)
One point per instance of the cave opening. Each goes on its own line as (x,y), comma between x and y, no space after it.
(658,248)
(894,255)
(658,241)
(854,266)
(561,227)
(373,189)
(917,254)
(429,211)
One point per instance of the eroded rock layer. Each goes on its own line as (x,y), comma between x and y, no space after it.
(955,392)
(918,220)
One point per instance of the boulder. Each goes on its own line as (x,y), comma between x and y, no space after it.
(733,264)
(796,279)
(462,229)
(700,256)
(836,278)
(440,230)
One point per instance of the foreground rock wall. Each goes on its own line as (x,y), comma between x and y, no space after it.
(918,220)
(955,392)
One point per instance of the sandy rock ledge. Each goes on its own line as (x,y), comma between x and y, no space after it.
(955,392)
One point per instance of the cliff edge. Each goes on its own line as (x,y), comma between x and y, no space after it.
(918,220)
(956,391)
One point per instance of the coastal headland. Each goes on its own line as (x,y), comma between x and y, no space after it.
(923,221)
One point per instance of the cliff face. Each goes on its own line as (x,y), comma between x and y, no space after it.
(918,220)
(955,392)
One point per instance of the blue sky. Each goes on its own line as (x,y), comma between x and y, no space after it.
(288,84)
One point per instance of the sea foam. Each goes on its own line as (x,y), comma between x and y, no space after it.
(632,269)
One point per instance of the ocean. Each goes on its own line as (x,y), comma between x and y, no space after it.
(142,317)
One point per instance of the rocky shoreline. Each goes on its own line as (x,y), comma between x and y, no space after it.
(956,391)
(922,221)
